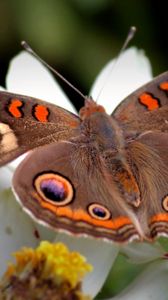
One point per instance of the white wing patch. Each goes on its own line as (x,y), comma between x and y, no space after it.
(8,139)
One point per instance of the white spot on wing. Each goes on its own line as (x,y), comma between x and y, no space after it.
(9,140)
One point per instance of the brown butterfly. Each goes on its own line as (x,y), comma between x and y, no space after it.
(97,175)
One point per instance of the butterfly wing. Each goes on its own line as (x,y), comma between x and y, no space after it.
(62,189)
(27,123)
(149,155)
(146,108)
(144,116)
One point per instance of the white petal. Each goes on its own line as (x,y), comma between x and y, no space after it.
(118,79)
(150,285)
(13,165)
(45,233)
(5,177)
(2,88)
(101,255)
(143,252)
(6,172)
(27,76)
(17,229)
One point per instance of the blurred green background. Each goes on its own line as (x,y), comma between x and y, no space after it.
(78,37)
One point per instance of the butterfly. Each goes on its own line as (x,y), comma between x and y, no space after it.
(98,175)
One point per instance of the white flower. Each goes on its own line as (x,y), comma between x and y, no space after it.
(151,284)
(27,76)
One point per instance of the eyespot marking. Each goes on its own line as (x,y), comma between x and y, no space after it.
(165,203)
(40,112)
(14,108)
(54,188)
(8,139)
(149,101)
(99,212)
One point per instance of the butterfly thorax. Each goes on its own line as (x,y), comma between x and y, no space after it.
(99,126)
(103,135)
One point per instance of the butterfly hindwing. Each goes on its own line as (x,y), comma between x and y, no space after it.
(62,189)
(149,155)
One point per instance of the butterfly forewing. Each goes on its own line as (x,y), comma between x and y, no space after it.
(27,123)
(146,108)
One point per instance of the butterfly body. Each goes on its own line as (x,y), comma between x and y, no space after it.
(96,175)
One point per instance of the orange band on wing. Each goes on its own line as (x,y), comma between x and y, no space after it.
(162,217)
(14,108)
(149,101)
(80,215)
(41,112)
(164,86)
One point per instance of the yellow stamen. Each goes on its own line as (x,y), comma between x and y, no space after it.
(51,265)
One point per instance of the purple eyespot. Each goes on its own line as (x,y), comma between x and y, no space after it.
(99,212)
(54,188)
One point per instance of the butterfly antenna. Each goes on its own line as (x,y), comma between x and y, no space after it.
(26,46)
(129,37)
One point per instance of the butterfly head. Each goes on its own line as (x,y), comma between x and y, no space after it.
(89,108)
